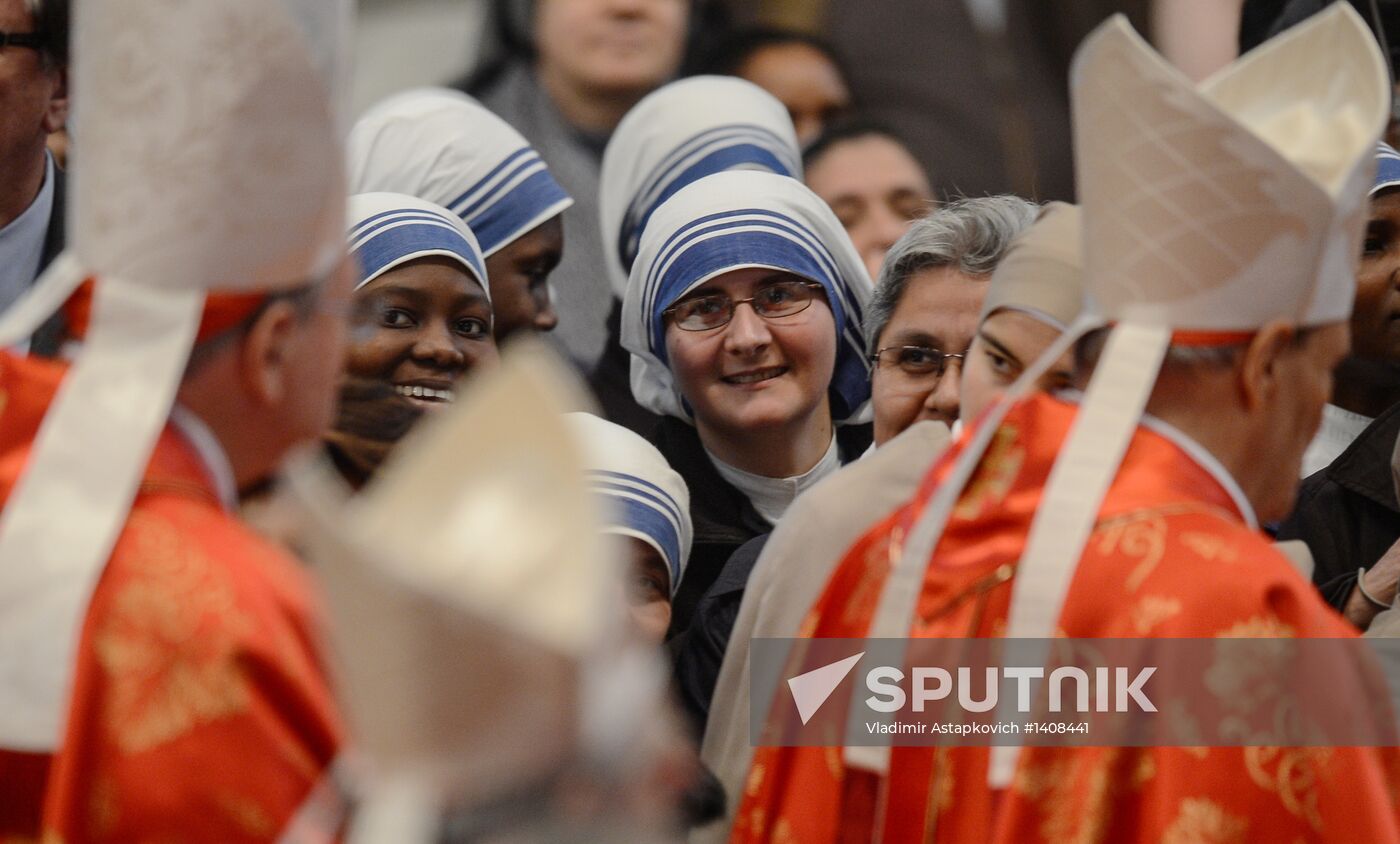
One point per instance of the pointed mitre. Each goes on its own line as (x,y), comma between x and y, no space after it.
(1208,211)
(208,157)
(1221,207)
(469,588)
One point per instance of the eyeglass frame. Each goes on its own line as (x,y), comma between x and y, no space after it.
(940,370)
(31,40)
(735,303)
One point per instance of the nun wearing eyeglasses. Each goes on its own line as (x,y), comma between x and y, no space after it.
(742,315)
(421,320)
(676,135)
(445,147)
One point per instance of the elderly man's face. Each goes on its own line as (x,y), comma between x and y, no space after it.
(938,311)
(33,97)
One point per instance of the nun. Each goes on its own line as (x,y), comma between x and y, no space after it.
(421,319)
(676,135)
(742,315)
(646,505)
(445,147)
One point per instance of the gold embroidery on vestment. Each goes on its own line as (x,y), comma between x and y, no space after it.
(1152,610)
(1202,821)
(1291,773)
(169,641)
(1210,547)
(995,477)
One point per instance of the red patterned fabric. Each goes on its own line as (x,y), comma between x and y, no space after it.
(1170,556)
(201,710)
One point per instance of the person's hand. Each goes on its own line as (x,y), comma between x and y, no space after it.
(1380,582)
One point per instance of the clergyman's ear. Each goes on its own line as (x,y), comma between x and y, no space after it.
(1260,372)
(56,109)
(267,353)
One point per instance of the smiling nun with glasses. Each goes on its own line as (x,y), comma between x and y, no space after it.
(742,315)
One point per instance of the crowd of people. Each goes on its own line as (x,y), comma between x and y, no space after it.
(429,474)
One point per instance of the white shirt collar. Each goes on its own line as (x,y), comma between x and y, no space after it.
(22,241)
(1207,461)
(772,496)
(1195,451)
(1339,430)
(210,452)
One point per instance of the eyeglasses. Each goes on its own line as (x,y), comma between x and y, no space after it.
(31,40)
(772,301)
(915,361)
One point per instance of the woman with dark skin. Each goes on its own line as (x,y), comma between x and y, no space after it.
(444,147)
(421,320)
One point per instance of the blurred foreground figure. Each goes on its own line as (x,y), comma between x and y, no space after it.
(492,682)
(1229,307)
(161,680)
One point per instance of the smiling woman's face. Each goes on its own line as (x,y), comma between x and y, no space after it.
(418,329)
(753,373)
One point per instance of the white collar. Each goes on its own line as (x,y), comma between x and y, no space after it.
(1195,451)
(1338,431)
(772,496)
(1207,461)
(210,452)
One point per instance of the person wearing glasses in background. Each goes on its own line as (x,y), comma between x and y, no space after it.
(742,314)
(33,103)
(925,311)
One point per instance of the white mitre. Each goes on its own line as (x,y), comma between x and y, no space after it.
(476,606)
(1208,212)
(207,158)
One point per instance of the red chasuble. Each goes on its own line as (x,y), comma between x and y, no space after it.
(1170,556)
(200,710)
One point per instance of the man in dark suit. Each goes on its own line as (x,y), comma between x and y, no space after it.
(33,103)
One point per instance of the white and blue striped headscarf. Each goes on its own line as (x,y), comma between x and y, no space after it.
(388,230)
(1387,168)
(736,220)
(445,147)
(677,134)
(642,496)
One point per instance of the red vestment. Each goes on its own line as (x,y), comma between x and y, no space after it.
(1171,557)
(200,709)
